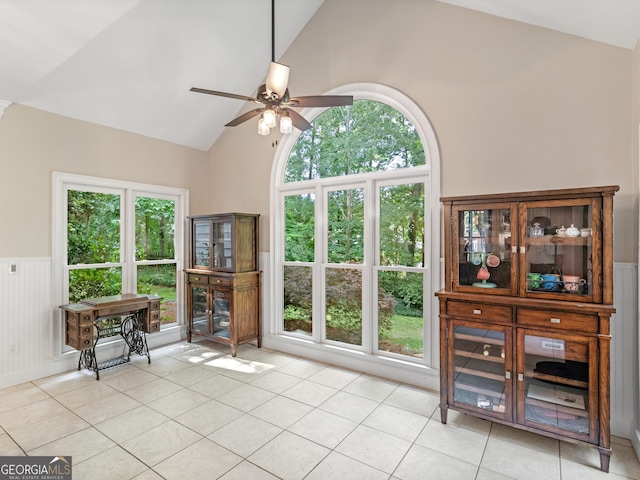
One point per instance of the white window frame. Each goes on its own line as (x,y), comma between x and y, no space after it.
(312,347)
(128,191)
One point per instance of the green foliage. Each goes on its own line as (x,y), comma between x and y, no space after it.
(405,287)
(164,275)
(292,312)
(346,226)
(366,137)
(343,319)
(155,228)
(93,227)
(93,237)
(94,282)
(402,235)
(299,228)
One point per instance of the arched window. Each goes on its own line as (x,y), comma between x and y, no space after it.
(355,236)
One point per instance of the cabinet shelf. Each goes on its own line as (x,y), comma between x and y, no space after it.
(479,356)
(478,339)
(479,373)
(555,240)
(556,379)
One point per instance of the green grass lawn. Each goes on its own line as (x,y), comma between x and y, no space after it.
(168,293)
(406,332)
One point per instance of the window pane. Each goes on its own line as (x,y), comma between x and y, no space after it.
(402,234)
(400,319)
(160,280)
(94,282)
(93,227)
(345,226)
(298,308)
(155,220)
(299,229)
(343,313)
(367,137)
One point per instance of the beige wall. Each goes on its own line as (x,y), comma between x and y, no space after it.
(514,106)
(34,143)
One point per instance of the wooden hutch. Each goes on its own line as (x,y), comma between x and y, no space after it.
(223,281)
(525,311)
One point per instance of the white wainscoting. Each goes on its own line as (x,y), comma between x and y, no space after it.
(624,350)
(25,314)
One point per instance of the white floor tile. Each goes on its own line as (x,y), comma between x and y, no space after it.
(245,435)
(374,448)
(289,456)
(338,467)
(197,412)
(203,460)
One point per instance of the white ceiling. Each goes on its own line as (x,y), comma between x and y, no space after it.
(129,64)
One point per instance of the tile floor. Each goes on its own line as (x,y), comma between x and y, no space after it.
(197,413)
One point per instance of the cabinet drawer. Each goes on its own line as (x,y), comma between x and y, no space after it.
(224,281)
(79,342)
(152,327)
(480,311)
(80,318)
(155,305)
(197,278)
(558,320)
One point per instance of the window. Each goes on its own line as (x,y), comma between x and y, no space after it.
(113,237)
(356,254)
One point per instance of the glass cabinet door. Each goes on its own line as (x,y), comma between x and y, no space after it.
(199,310)
(221,313)
(555,390)
(482,249)
(222,252)
(558,242)
(481,379)
(201,244)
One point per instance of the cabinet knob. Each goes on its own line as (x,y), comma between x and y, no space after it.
(520,377)
(477,311)
(554,320)
(507,374)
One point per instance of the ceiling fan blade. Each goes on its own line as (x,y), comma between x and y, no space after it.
(224,94)
(244,117)
(298,121)
(321,101)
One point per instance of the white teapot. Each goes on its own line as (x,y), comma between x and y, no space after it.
(573,231)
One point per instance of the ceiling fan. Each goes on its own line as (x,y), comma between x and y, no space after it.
(274,97)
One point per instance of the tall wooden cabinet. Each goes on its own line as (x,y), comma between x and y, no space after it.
(223,281)
(525,312)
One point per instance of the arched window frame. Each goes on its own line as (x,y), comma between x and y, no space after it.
(431,169)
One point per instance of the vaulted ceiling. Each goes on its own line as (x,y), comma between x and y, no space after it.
(129,64)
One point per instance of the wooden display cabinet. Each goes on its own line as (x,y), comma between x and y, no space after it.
(224,286)
(525,312)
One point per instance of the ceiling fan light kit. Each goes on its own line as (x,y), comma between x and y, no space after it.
(286,125)
(277,79)
(274,96)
